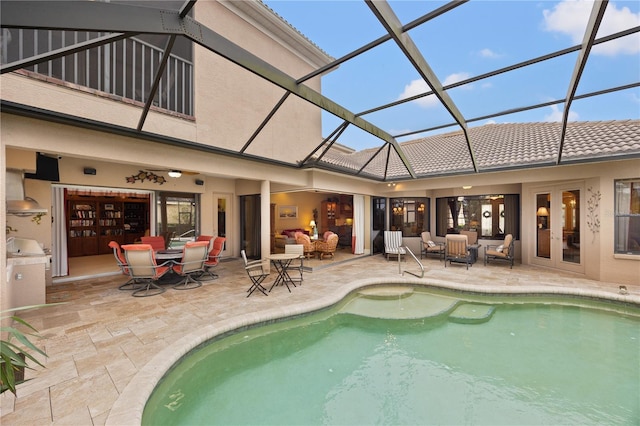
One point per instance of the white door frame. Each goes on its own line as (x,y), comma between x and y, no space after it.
(556,227)
(228,222)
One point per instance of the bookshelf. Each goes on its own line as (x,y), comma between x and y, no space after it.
(92,222)
(110,224)
(136,220)
(82,228)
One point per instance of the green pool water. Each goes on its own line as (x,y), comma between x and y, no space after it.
(418,358)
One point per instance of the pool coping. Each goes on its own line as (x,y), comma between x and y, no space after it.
(129,406)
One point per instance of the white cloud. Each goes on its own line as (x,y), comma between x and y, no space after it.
(418,86)
(456,77)
(488,53)
(556,115)
(570,17)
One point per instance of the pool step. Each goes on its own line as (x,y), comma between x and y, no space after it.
(400,305)
(472,313)
(386,292)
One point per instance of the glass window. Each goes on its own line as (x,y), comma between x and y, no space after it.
(125,68)
(627,216)
(492,216)
(177,215)
(409,215)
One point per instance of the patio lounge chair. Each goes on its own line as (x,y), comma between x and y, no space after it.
(207,238)
(429,247)
(143,269)
(156,241)
(504,251)
(122,264)
(472,236)
(457,250)
(194,254)
(256,272)
(393,244)
(214,256)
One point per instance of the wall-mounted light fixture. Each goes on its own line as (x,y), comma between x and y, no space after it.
(467,187)
(398,208)
(89,171)
(391,184)
(175,173)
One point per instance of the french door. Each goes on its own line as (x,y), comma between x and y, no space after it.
(222,218)
(558,240)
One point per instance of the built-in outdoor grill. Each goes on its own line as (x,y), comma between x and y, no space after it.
(27,269)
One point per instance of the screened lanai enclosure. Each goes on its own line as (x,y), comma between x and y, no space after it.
(143,51)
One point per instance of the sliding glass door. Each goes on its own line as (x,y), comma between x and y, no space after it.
(177,216)
(250,224)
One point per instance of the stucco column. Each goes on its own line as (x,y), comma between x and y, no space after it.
(265,212)
(4,291)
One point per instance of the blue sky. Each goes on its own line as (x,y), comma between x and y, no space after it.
(474,38)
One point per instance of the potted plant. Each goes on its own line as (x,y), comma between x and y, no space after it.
(14,356)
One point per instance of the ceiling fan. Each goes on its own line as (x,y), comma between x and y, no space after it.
(174,173)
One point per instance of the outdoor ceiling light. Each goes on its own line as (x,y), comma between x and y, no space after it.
(175,173)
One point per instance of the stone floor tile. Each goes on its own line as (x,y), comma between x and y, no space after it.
(101,337)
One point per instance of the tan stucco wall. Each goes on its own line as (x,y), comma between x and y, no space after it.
(232,102)
(120,157)
(599,260)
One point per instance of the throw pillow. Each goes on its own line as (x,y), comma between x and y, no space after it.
(499,248)
(431,244)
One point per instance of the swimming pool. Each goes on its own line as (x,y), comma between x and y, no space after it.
(399,356)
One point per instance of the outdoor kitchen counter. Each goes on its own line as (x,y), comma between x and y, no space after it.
(26,282)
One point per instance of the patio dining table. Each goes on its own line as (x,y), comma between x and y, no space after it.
(169,256)
(281,262)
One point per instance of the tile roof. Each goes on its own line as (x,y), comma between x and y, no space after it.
(497,146)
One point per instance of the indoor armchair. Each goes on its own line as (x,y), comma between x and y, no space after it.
(309,247)
(328,247)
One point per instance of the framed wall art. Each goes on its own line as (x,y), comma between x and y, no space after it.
(288,212)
